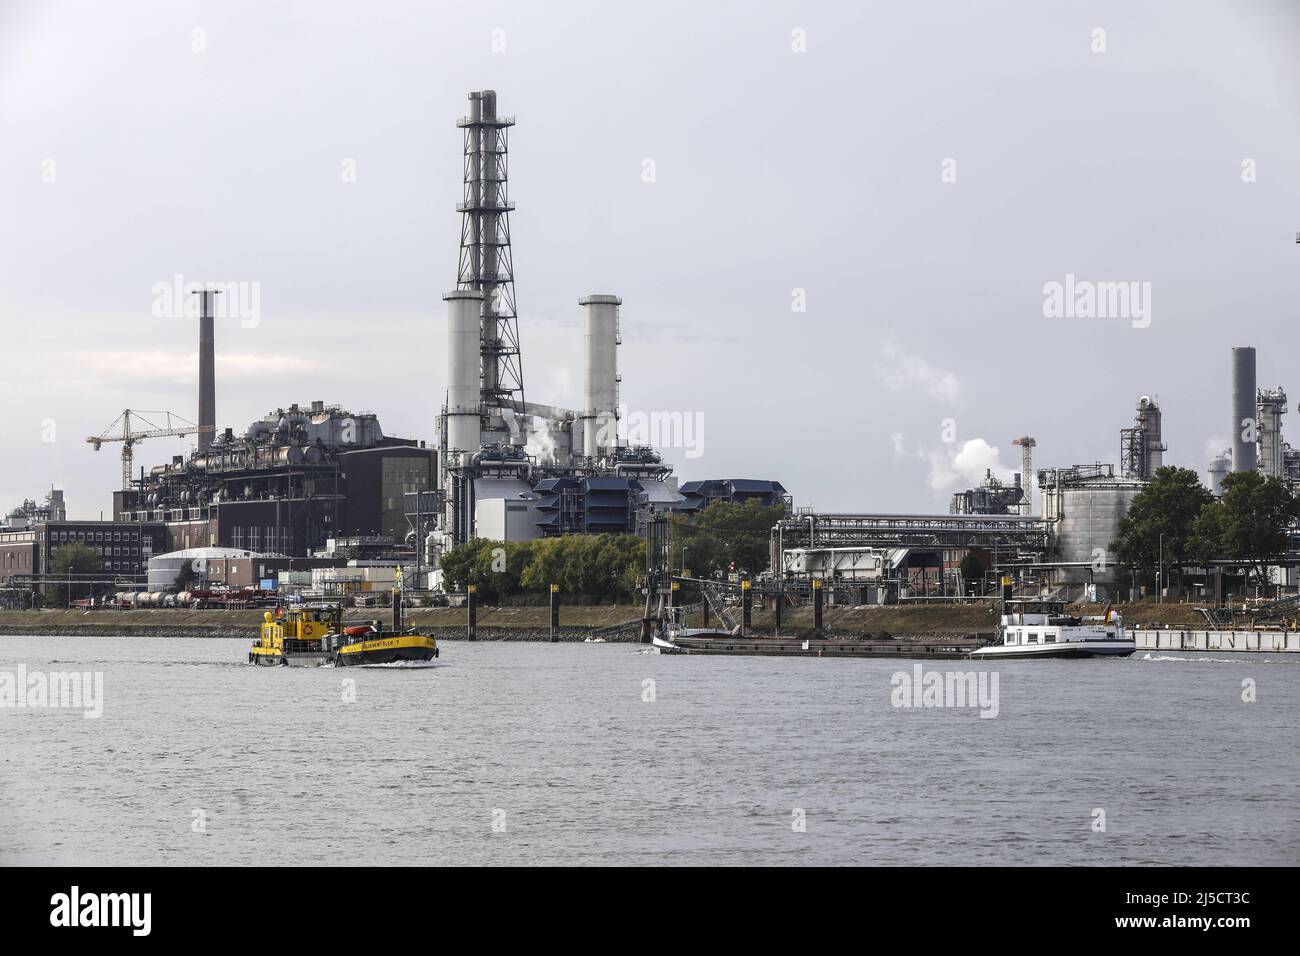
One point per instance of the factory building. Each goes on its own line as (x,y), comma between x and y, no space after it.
(698,495)
(288,483)
(991,497)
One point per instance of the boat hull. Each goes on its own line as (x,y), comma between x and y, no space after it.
(387,650)
(1064,649)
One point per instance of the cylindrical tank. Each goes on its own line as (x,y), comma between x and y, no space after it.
(1243,409)
(600,427)
(1219,467)
(463,400)
(1088,513)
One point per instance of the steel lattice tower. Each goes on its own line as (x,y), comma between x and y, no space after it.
(485,261)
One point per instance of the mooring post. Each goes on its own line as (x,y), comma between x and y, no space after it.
(747,606)
(817,605)
(471,602)
(555,613)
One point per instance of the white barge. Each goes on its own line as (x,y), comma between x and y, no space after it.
(1043,629)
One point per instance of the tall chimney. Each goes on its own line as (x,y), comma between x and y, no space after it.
(600,416)
(207,369)
(464,398)
(1244,425)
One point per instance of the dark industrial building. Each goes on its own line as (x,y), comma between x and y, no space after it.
(699,495)
(289,483)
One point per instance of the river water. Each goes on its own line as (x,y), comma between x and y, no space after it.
(512,753)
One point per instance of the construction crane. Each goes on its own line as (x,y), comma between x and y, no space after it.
(1026,471)
(126,431)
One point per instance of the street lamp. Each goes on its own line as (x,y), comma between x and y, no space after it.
(1160,573)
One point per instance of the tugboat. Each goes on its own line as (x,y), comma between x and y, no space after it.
(1043,629)
(311,635)
(295,636)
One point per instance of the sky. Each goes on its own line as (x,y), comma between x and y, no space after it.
(835,226)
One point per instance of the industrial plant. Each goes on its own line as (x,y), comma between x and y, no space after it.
(311,488)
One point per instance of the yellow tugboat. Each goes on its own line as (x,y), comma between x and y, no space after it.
(310,635)
(296,636)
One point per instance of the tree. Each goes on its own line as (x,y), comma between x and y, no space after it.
(724,534)
(1249,523)
(599,567)
(73,559)
(185,575)
(1164,512)
(973,567)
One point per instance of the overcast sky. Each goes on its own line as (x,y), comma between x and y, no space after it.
(921,171)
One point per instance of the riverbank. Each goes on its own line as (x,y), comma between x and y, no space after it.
(579,622)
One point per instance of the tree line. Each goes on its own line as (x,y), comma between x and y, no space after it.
(600,567)
(1175,515)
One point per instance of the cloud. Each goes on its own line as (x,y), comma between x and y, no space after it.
(904,372)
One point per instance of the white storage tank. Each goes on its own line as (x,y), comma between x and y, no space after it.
(1086,504)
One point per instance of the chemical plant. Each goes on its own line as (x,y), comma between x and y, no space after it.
(315,486)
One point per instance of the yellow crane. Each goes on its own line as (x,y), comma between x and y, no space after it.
(125,430)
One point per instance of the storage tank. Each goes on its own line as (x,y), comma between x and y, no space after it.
(1243,409)
(1086,504)
(463,394)
(600,412)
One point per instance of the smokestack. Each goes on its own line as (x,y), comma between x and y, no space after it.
(600,414)
(463,396)
(1244,426)
(207,369)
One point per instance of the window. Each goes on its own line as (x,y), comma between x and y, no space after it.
(1033,638)
(1049,638)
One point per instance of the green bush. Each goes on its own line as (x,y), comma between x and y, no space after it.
(598,567)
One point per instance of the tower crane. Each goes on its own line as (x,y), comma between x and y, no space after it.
(129,433)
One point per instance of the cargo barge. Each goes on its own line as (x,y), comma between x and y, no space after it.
(707,641)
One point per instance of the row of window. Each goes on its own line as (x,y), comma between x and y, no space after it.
(106,551)
(1031,637)
(63,536)
(252,539)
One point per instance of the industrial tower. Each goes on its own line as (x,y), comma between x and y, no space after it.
(1027,471)
(207,370)
(486,264)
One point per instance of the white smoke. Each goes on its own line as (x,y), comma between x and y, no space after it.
(959,466)
(541,446)
(902,372)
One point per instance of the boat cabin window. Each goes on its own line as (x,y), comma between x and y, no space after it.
(1033,638)
(1049,638)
